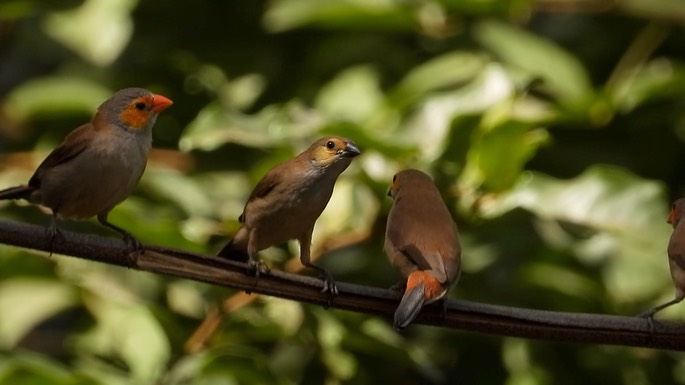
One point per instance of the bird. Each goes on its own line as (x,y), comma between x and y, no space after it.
(421,242)
(288,200)
(676,257)
(98,164)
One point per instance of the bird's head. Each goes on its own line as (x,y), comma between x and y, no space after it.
(676,212)
(332,150)
(134,109)
(405,177)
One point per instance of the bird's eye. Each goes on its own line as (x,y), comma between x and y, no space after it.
(330,145)
(394,178)
(140,106)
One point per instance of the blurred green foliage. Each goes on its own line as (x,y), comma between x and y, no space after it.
(553,128)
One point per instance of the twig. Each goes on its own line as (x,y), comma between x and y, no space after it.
(478,317)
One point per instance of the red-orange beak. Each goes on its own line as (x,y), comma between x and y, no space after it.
(160,103)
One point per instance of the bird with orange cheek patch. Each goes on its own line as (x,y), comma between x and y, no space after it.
(288,200)
(676,257)
(98,164)
(421,242)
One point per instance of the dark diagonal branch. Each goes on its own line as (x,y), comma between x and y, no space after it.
(478,317)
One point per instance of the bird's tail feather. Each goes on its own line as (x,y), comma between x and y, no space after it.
(410,306)
(19,192)
(231,252)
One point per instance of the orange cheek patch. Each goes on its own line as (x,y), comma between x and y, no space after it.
(134,118)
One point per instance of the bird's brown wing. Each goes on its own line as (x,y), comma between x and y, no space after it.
(414,254)
(78,141)
(435,249)
(265,186)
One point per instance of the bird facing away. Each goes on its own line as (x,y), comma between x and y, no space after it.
(287,201)
(99,163)
(421,242)
(676,257)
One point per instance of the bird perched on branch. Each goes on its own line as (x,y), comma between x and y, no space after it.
(288,200)
(676,257)
(98,164)
(421,242)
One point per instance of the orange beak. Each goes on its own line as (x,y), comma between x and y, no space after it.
(160,103)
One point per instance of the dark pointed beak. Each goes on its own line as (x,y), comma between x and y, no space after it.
(351,150)
(389,192)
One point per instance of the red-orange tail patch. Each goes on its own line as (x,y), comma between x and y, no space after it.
(422,288)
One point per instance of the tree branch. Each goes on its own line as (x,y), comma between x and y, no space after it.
(466,315)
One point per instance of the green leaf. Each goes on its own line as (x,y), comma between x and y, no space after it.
(46,298)
(438,74)
(628,211)
(55,95)
(340,363)
(498,155)
(429,127)
(352,208)
(215,126)
(283,15)
(559,70)
(28,368)
(659,79)
(602,197)
(354,95)
(128,331)
(109,27)
(185,194)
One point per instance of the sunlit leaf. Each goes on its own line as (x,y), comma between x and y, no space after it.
(285,313)
(130,332)
(47,298)
(109,27)
(215,126)
(441,73)
(352,208)
(185,194)
(629,209)
(657,80)
(559,70)
(27,368)
(566,281)
(429,126)
(353,95)
(601,197)
(283,15)
(341,364)
(498,155)
(55,95)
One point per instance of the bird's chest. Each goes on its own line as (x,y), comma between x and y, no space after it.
(287,214)
(120,160)
(97,179)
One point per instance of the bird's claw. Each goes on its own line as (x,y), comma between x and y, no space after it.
(53,234)
(329,287)
(134,248)
(256,268)
(649,316)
